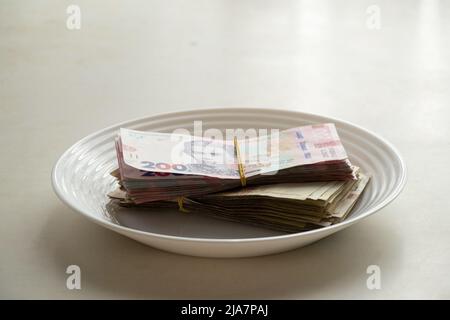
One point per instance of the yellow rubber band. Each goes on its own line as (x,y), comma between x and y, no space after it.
(240,166)
(180,204)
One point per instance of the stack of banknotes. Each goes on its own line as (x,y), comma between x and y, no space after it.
(293,180)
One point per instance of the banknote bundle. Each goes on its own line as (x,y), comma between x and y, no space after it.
(293,180)
(157,166)
(288,207)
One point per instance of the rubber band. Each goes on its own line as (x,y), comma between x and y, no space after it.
(181,207)
(240,166)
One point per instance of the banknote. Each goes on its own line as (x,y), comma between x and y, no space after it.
(156,166)
(185,154)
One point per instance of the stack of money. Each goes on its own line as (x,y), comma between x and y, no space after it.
(294,180)
(160,166)
(288,207)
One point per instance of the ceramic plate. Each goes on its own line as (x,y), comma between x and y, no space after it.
(81,179)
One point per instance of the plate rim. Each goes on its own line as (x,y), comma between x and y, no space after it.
(398,189)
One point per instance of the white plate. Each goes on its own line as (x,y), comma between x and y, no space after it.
(81,179)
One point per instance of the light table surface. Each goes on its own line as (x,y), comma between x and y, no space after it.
(138,58)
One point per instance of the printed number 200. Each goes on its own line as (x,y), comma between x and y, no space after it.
(163,166)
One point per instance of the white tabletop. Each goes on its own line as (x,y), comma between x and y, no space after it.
(137,58)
